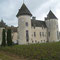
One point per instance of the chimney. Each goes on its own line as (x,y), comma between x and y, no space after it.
(34,18)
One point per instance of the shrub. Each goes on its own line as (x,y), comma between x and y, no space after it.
(3,38)
(9,37)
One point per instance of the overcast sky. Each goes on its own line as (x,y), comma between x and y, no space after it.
(39,9)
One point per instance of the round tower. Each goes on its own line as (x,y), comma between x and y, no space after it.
(24,25)
(52,27)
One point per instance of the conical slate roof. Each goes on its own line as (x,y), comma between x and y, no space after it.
(51,15)
(24,11)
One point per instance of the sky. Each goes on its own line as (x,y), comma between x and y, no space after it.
(38,8)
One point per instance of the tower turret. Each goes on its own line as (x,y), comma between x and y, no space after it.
(24,11)
(24,25)
(52,27)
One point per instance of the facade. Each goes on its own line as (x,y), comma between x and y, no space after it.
(14,31)
(2,26)
(32,31)
(14,34)
(52,27)
(1,29)
(59,36)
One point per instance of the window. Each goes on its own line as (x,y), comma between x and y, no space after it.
(42,27)
(27,36)
(44,40)
(26,23)
(57,35)
(49,34)
(34,26)
(32,41)
(34,34)
(40,34)
(38,41)
(35,41)
(41,41)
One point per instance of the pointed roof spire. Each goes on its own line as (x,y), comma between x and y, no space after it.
(24,11)
(51,15)
(23,1)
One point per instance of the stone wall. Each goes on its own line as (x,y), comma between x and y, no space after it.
(22,28)
(52,26)
(1,29)
(41,35)
(15,37)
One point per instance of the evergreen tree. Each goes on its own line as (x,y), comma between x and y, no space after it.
(3,38)
(9,37)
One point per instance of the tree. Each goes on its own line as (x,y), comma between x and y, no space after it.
(9,37)
(3,38)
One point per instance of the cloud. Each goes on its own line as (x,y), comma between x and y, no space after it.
(44,8)
(8,11)
(39,8)
(58,15)
(41,11)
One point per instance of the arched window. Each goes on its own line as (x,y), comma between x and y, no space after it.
(27,35)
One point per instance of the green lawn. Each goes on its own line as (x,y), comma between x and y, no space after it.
(5,56)
(43,51)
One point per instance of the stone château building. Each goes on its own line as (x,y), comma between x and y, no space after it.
(13,29)
(31,30)
(2,26)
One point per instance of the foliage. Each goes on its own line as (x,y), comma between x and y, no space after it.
(3,38)
(9,37)
(43,51)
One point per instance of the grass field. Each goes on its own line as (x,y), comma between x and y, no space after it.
(43,51)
